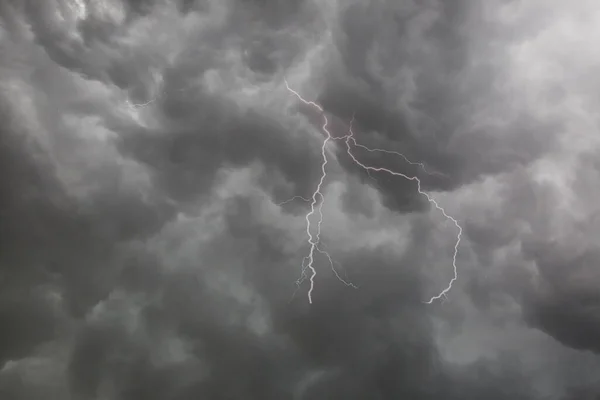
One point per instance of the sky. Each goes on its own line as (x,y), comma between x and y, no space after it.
(158,173)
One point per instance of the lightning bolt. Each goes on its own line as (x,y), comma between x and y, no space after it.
(292,199)
(318,199)
(316,206)
(349,138)
(423,167)
(141,105)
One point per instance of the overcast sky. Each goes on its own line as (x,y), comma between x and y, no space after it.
(148,150)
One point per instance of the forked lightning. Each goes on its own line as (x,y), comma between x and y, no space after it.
(317,200)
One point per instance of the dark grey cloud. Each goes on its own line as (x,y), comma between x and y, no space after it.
(146,150)
(441,91)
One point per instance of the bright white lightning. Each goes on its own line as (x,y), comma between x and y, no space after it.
(444,292)
(316,206)
(314,241)
(423,167)
(140,105)
(292,199)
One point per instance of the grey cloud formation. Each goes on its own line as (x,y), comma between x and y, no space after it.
(148,150)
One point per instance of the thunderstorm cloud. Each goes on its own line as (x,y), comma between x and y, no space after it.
(153,166)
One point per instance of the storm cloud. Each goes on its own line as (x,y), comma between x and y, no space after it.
(152,231)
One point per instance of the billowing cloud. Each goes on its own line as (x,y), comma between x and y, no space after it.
(153,169)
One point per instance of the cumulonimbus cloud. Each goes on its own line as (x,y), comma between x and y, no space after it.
(148,149)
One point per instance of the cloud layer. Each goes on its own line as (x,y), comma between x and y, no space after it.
(148,150)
